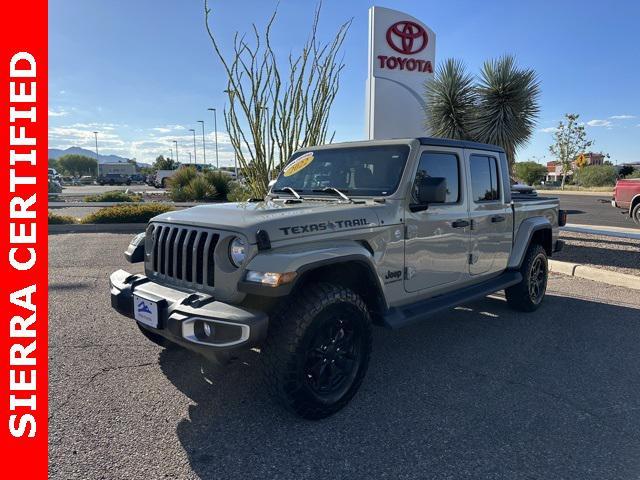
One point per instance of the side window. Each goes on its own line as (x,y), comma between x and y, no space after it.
(433,164)
(485,183)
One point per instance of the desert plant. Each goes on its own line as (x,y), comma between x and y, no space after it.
(273,106)
(500,108)
(55,219)
(113,196)
(451,101)
(200,189)
(134,213)
(220,181)
(182,177)
(634,174)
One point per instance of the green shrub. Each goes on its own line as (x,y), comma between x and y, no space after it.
(596,176)
(199,189)
(55,219)
(113,196)
(238,192)
(634,174)
(182,177)
(220,181)
(135,213)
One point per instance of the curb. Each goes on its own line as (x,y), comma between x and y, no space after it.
(617,232)
(98,228)
(596,274)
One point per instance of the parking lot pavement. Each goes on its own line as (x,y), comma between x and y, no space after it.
(593,210)
(478,392)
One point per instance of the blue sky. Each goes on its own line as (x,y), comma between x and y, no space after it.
(143,72)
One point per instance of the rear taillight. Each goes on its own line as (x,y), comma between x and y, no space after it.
(562,218)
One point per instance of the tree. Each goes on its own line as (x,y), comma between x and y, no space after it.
(501,108)
(570,140)
(530,172)
(273,111)
(163,163)
(625,170)
(53,163)
(73,164)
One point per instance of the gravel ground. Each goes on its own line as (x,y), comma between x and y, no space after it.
(610,253)
(480,392)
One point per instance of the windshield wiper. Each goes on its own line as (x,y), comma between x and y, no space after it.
(290,190)
(336,191)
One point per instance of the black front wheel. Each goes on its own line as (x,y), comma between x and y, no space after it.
(527,295)
(317,350)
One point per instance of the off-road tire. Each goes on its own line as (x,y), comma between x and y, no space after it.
(635,214)
(291,347)
(158,339)
(534,269)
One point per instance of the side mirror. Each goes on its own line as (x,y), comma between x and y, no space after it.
(430,190)
(272,183)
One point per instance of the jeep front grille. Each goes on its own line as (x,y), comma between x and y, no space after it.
(183,255)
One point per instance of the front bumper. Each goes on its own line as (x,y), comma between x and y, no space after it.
(181,316)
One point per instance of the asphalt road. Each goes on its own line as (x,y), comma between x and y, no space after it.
(594,210)
(479,392)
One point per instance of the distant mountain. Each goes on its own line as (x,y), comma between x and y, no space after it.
(56,153)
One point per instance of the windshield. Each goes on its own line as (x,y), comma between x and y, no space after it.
(367,171)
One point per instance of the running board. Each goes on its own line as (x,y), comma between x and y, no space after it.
(398,317)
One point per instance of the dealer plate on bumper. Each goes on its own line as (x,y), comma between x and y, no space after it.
(145,311)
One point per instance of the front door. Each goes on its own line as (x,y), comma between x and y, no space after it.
(490,213)
(436,245)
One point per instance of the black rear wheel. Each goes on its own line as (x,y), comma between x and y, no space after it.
(317,351)
(529,293)
(635,214)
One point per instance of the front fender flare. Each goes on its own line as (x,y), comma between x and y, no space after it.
(305,258)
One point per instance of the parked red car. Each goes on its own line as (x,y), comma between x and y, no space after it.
(626,195)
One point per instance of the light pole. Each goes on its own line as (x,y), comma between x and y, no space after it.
(204,149)
(176,143)
(215,131)
(97,156)
(171,150)
(189,156)
(195,154)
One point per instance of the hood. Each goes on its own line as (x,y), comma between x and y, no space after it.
(281,221)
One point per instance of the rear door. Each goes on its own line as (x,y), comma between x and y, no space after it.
(489,212)
(437,239)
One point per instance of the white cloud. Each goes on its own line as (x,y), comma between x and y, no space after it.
(548,130)
(599,123)
(621,117)
(59,113)
(168,128)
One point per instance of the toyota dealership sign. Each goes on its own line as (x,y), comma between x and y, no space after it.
(401,59)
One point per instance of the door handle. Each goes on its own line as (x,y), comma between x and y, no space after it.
(460,224)
(498,218)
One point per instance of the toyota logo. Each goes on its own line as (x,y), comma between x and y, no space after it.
(407,37)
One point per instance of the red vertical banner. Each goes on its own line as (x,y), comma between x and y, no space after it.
(23,239)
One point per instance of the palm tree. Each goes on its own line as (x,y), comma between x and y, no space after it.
(451,101)
(507,105)
(501,108)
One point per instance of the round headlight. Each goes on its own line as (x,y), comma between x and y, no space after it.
(237,251)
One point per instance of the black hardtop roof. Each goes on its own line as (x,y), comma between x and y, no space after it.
(448,142)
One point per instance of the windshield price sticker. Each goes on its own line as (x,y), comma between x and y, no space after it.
(298,164)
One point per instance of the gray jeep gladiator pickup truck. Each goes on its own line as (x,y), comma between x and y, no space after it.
(350,235)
